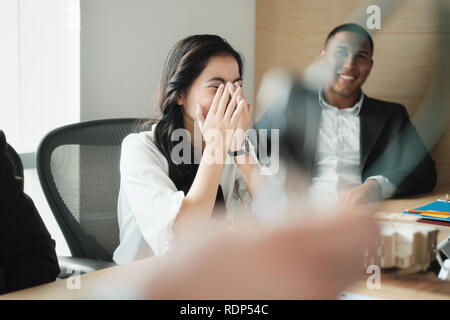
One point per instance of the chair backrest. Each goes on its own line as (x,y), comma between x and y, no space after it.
(16,163)
(78,167)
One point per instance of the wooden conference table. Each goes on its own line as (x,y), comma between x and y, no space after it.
(112,282)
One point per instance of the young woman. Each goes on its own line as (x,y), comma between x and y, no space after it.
(159,196)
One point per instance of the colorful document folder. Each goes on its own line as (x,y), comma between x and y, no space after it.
(437,210)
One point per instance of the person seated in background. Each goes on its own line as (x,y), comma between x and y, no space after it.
(364,149)
(27,252)
(200,90)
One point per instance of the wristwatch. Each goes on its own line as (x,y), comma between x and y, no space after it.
(245,149)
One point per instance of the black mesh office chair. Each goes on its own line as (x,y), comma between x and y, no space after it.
(16,163)
(78,167)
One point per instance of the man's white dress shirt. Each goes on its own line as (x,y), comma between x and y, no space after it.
(337,160)
(149,201)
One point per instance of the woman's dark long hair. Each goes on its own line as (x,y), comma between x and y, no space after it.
(185,62)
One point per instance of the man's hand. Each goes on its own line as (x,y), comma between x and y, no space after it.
(369,191)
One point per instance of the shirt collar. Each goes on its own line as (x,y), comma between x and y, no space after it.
(355,109)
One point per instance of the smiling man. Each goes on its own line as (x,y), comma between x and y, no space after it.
(347,61)
(364,149)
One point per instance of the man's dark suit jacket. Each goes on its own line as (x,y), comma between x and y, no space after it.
(27,253)
(389,144)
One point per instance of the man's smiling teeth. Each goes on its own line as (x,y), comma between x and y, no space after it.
(345,77)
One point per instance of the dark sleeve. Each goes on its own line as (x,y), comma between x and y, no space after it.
(416,172)
(273,118)
(269,120)
(27,252)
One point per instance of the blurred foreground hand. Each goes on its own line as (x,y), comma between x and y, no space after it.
(302,260)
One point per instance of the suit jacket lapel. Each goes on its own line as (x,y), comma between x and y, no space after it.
(372,122)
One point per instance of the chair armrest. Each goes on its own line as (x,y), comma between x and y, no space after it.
(69,265)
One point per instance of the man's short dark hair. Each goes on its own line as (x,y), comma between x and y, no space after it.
(351,27)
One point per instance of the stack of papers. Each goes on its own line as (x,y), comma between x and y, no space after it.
(404,245)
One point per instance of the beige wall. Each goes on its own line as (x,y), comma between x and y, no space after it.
(290,33)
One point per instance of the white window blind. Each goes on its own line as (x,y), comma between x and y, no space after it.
(40,68)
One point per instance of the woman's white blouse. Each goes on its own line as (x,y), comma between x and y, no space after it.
(149,201)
